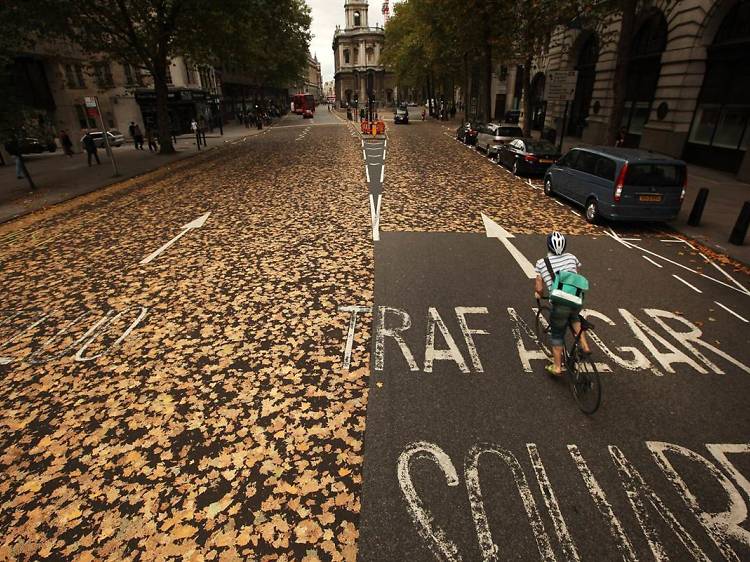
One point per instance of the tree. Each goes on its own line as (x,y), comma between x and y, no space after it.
(271,35)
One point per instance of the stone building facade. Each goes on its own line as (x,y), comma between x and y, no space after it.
(687,85)
(56,78)
(356,51)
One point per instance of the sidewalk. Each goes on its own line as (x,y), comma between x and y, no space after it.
(725,199)
(59,178)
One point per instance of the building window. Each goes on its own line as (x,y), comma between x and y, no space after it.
(720,132)
(74,76)
(190,73)
(357,19)
(356,56)
(103,74)
(169,73)
(346,56)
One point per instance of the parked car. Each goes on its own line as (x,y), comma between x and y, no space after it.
(401,116)
(116,138)
(619,183)
(31,145)
(467,133)
(527,156)
(491,135)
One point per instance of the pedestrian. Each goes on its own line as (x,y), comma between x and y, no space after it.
(89,145)
(131,130)
(424,114)
(196,132)
(151,138)
(202,128)
(138,137)
(67,144)
(621,135)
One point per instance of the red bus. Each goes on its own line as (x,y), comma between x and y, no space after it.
(303,102)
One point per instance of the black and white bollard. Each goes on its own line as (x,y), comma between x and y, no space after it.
(740,227)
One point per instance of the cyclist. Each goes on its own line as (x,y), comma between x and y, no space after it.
(560,260)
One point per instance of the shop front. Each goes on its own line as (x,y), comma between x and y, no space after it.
(183,106)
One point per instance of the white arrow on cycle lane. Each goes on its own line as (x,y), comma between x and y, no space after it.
(494,230)
(197,223)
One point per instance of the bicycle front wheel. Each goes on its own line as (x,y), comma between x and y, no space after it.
(585,383)
(542,329)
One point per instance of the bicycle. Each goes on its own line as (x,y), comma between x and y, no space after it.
(582,373)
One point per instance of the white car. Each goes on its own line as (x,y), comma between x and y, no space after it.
(116,138)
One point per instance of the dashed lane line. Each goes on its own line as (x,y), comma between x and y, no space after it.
(732,312)
(681,280)
(648,259)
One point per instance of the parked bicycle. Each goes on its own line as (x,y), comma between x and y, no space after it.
(581,370)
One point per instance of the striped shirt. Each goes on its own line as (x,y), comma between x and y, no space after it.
(563,262)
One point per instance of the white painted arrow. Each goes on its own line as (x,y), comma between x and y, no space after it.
(197,223)
(494,230)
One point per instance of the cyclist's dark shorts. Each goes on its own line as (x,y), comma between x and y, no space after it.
(559,321)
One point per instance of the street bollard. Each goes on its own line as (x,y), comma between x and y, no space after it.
(698,206)
(740,227)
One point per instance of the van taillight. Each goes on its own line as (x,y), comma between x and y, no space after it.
(620,182)
(530,158)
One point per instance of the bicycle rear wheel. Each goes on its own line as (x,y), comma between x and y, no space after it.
(542,329)
(584,382)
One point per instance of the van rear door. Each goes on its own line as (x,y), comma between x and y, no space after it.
(654,189)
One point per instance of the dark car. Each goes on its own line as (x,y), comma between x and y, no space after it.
(31,145)
(307,114)
(619,183)
(527,156)
(401,116)
(467,133)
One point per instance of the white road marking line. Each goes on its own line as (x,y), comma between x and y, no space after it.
(730,311)
(648,259)
(672,241)
(632,239)
(384,154)
(367,171)
(364,155)
(375,216)
(382,173)
(494,230)
(732,279)
(569,547)
(693,287)
(197,223)
(605,508)
(556,201)
(629,245)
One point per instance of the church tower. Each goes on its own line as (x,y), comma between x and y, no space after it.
(356,13)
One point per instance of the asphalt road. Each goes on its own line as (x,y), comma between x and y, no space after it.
(238,359)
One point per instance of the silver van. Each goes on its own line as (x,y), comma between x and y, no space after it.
(619,183)
(491,135)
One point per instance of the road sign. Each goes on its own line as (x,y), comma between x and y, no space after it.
(91,108)
(560,85)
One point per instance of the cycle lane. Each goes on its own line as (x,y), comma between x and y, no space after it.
(533,476)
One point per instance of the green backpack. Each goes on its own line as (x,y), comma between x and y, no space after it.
(568,288)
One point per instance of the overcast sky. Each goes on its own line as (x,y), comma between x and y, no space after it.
(326,14)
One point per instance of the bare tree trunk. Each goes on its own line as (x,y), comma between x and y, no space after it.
(527,98)
(162,106)
(488,80)
(629,8)
(466,88)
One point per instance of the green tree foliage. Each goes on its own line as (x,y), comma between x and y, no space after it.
(268,37)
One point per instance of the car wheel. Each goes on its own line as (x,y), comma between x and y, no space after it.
(592,211)
(548,187)
(515,167)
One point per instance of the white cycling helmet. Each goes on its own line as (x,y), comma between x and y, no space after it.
(556,243)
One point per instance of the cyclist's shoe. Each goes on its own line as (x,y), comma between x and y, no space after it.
(551,371)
